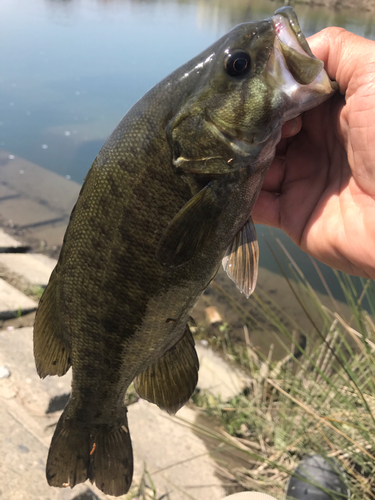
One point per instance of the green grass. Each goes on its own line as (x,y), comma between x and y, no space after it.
(319,399)
(35,291)
(145,490)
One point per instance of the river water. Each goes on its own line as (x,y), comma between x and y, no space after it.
(70,69)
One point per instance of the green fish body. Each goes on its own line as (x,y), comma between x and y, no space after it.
(168,198)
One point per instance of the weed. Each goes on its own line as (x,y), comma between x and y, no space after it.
(319,399)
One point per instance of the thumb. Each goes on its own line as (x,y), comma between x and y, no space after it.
(343,54)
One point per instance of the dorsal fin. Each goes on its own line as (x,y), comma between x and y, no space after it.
(51,348)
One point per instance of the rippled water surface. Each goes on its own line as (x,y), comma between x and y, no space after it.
(69,70)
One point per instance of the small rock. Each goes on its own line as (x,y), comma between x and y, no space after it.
(213,316)
(244,431)
(264,371)
(4,372)
(218,377)
(86,495)
(23,448)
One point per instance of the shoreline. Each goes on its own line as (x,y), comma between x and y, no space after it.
(365,5)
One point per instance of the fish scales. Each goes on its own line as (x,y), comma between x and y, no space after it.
(168,198)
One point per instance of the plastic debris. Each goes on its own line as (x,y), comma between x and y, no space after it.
(4,372)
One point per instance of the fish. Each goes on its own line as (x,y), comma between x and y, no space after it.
(167,200)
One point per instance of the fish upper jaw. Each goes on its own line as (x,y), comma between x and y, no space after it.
(287,30)
(297,73)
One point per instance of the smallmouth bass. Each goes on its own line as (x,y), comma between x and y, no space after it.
(168,198)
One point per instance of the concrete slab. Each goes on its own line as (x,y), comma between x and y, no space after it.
(51,234)
(6,191)
(34,200)
(35,268)
(16,353)
(175,457)
(25,429)
(25,212)
(217,376)
(22,465)
(7,242)
(34,182)
(13,302)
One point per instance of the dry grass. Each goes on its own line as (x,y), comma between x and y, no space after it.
(318,399)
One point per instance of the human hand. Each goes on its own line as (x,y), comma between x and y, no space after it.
(320,188)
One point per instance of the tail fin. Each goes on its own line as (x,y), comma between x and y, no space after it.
(69,454)
(102,454)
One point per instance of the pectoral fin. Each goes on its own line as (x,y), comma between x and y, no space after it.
(170,382)
(188,232)
(242,259)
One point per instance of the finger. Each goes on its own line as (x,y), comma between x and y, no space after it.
(292,127)
(266,210)
(275,176)
(342,52)
(282,148)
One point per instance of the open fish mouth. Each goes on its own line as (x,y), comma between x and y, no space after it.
(295,69)
(299,60)
(288,30)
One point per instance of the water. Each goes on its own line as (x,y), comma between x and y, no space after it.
(70,69)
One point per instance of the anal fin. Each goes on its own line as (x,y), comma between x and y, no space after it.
(51,349)
(171,381)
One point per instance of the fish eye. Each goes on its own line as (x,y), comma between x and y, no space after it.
(237,63)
